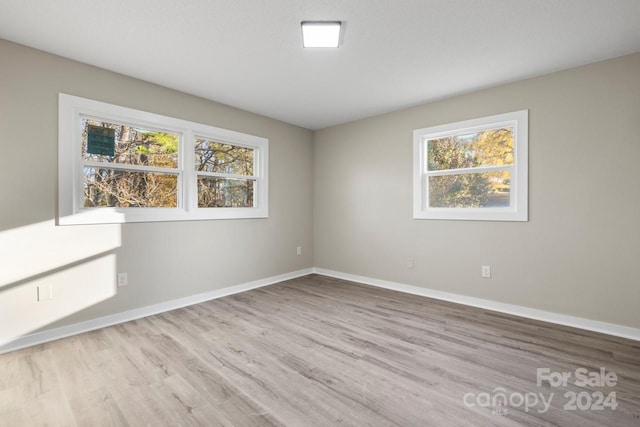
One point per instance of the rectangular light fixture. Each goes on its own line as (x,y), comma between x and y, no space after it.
(321,33)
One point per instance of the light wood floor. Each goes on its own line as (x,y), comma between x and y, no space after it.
(313,351)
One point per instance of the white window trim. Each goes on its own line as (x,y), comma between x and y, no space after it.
(518,209)
(71,208)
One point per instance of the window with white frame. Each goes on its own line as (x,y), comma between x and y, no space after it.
(118,164)
(472,170)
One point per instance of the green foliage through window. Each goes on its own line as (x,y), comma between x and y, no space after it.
(109,186)
(461,152)
(214,162)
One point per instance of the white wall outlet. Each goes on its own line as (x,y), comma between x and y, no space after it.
(44,292)
(123,279)
(486,271)
(410,263)
(299,250)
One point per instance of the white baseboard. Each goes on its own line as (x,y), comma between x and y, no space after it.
(125,316)
(516,310)
(113,319)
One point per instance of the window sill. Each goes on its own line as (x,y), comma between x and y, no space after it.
(87,216)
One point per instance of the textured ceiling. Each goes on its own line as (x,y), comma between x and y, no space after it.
(394,54)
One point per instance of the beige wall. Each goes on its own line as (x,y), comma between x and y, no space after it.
(579,252)
(164,260)
(348,194)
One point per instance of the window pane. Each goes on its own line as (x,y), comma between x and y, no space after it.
(471,190)
(212,156)
(128,145)
(225,193)
(123,189)
(487,148)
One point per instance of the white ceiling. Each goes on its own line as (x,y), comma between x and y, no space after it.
(394,53)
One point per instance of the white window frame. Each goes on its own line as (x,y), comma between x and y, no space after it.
(518,206)
(71,208)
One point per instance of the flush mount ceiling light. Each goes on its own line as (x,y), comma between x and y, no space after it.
(320,33)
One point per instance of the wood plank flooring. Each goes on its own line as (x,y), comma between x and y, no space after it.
(317,351)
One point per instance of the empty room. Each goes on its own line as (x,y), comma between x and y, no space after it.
(317,213)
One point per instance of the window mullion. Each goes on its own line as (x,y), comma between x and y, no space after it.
(190,182)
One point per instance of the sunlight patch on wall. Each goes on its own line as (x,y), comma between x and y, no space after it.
(38,248)
(49,272)
(72,289)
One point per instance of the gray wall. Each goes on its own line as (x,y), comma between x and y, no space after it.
(348,194)
(579,252)
(164,260)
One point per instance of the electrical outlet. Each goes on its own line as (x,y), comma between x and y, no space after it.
(486,271)
(410,263)
(123,279)
(299,250)
(44,292)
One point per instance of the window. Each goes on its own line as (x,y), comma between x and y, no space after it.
(225,174)
(472,170)
(118,165)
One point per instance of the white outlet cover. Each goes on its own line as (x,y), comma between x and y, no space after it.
(486,271)
(45,292)
(123,280)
